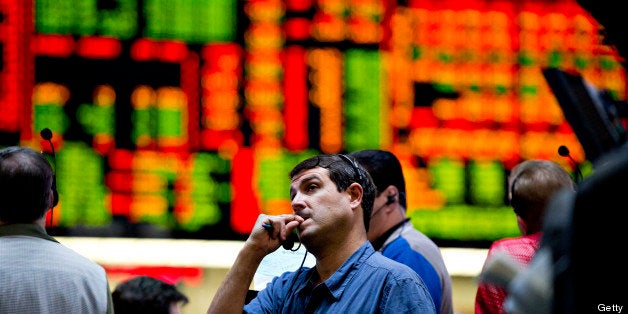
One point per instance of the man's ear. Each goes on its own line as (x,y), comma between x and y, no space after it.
(51,198)
(356,193)
(523,226)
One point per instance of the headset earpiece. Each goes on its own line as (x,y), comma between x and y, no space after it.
(46,134)
(55,194)
(391,199)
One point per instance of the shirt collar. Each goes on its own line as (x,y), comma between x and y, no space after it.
(25,229)
(338,280)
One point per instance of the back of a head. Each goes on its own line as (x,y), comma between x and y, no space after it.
(385,169)
(144,295)
(532,184)
(26,180)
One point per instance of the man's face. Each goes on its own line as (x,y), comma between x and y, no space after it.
(325,210)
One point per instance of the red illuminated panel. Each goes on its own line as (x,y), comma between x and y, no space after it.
(220,81)
(143,49)
(16,66)
(244,206)
(189,85)
(120,182)
(99,47)
(298,5)
(166,51)
(296,102)
(173,51)
(297,28)
(53,45)
(120,204)
(173,275)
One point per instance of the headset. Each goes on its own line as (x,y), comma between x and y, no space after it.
(355,167)
(389,200)
(46,134)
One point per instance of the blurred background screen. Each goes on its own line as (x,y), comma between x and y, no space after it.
(182,119)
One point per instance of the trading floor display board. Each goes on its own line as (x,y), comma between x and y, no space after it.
(183,118)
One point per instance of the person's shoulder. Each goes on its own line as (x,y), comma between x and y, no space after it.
(377,260)
(418,240)
(507,243)
(74,259)
(522,248)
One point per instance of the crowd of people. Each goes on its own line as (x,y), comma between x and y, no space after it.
(349,211)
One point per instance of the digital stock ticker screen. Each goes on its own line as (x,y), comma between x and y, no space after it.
(182,119)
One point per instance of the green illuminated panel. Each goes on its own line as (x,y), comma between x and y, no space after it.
(169,122)
(96,119)
(120,22)
(486,183)
(83,17)
(363,99)
(142,123)
(80,177)
(50,116)
(66,16)
(193,21)
(465,222)
(273,180)
(449,178)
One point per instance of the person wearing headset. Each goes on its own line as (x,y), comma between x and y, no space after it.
(392,233)
(37,273)
(531,186)
(332,199)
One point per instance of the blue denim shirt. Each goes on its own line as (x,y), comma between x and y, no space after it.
(367,282)
(401,251)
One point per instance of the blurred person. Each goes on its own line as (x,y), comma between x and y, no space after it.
(531,186)
(332,198)
(392,233)
(37,273)
(147,295)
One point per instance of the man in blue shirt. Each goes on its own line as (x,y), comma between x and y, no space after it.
(332,199)
(392,233)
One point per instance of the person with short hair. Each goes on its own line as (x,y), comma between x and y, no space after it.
(531,186)
(392,232)
(147,295)
(37,273)
(332,199)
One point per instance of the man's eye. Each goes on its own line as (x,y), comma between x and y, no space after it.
(311,187)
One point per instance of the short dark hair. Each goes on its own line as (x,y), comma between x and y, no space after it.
(343,171)
(385,170)
(26,180)
(145,294)
(531,185)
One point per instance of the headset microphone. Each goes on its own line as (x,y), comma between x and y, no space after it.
(46,134)
(564,152)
